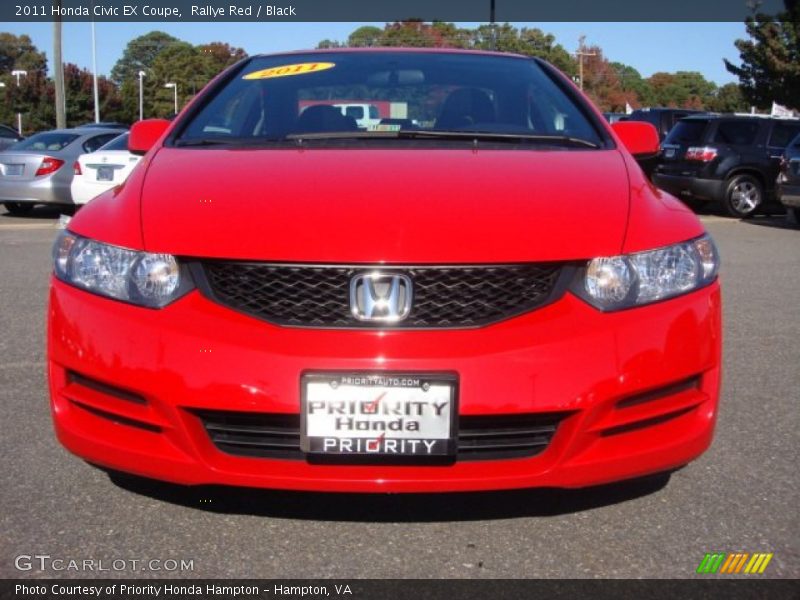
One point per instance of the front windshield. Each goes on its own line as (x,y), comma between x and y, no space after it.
(352,95)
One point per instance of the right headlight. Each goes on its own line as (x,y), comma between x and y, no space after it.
(617,282)
(140,278)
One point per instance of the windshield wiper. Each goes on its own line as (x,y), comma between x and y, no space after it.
(231,141)
(490,136)
(496,136)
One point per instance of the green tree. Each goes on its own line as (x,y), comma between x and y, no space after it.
(222,55)
(728,98)
(684,89)
(770,69)
(630,80)
(18,52)
(365,37)
(140,54)
(79,90)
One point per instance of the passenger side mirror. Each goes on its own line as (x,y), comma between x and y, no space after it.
(640,138)
(144,134)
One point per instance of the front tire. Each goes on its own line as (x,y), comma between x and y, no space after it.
(18,208)
(743,196)
(793,214)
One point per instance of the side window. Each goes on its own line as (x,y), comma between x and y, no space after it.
(357,112)
(736,133)
(7,133)
(782,134)
(94,143)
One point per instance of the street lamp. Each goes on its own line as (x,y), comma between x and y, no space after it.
(95,89)
(19,73)
(141,95)
(174,87)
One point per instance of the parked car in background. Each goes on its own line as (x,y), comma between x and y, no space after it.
(788,188)
(38,170)
(98,171)
(105,125)
(8,136)
(663,119)
(613,117)
(733,160)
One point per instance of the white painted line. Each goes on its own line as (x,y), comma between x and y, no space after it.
(13,226)
(715,219)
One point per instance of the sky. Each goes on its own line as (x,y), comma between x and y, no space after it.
(648,47)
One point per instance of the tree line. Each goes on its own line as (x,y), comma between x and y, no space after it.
(769,70)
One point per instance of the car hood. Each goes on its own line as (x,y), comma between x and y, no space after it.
(385,205)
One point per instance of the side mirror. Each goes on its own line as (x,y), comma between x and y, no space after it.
(146,133)
(639,137)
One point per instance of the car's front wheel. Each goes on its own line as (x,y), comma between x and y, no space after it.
(18,208)
(793,214)
(743,196)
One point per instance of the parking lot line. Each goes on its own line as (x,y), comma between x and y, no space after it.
(29,225)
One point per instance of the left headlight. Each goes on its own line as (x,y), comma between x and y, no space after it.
(617,282)
(141,278)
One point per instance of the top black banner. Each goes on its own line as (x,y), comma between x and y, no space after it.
(384,10)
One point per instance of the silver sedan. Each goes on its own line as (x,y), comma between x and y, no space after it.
(39,169)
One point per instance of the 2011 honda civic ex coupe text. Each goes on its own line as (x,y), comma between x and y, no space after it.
(480,291)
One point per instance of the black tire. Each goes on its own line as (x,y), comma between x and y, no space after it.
(793,213)
(744,195)
(18,208)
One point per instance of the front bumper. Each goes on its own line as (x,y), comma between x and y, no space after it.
(696,187)
(566,357)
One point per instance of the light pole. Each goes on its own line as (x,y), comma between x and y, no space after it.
(19,73)
(94,77)
(141,95)
(174,87)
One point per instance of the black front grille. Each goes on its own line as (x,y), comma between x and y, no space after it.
(319,296)
(480,437)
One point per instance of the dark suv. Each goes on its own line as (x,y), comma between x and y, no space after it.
(729,159)
(789,180)
(663,119)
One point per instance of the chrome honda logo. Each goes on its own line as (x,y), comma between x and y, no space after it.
(380,297)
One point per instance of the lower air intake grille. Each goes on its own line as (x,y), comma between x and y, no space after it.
(479,437)
(319,295)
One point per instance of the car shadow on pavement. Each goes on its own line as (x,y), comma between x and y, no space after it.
(392,508)
(42,212)
(774,221)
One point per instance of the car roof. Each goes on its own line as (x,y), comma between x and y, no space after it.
(403,49)
(84,131)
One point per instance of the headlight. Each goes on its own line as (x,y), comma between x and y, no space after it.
(616,282)
(141,278)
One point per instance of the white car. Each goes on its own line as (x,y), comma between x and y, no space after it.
(105,168)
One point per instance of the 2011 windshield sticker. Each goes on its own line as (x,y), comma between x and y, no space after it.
(287,70)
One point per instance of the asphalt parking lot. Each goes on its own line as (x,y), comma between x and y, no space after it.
(737,498)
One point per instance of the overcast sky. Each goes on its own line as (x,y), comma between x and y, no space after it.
(648,47)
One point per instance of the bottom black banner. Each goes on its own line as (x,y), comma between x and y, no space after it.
(403,589)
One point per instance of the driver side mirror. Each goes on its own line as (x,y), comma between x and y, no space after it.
(144,134)
(639,137)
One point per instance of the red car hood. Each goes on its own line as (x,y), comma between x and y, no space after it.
(394,206)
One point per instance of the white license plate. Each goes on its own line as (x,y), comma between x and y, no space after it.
(13,170)
(669,152)
(401,415)
(105,173)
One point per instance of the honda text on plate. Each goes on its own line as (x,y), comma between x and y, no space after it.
(480,290)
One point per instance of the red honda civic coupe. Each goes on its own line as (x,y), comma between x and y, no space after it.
(386,271)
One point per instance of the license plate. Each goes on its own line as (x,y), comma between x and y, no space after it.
(105,174)
(382,415)
(669,153)
(13,170)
